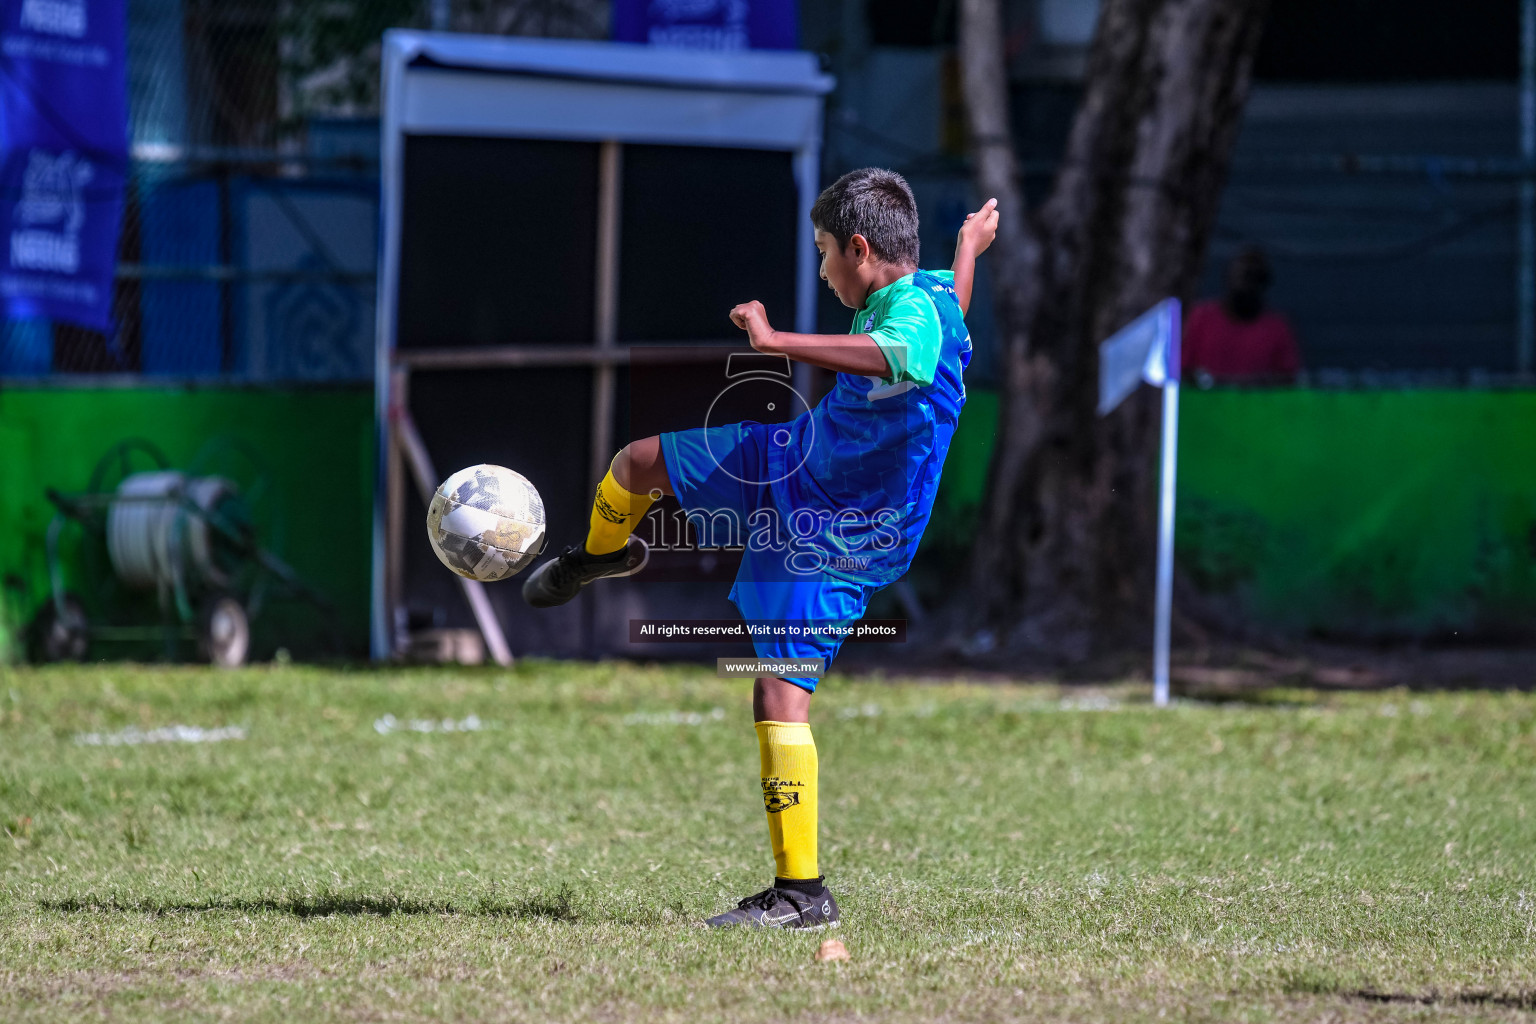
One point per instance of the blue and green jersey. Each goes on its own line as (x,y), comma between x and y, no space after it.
(870,453)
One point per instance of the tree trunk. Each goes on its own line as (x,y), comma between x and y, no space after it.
(1063,554)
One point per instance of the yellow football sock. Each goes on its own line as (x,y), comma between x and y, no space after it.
(789,794)
(615,514)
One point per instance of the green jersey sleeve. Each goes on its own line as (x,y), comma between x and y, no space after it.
(906,328)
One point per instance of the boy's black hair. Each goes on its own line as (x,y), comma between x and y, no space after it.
(875,203)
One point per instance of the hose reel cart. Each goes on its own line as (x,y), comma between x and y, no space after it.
(190,540)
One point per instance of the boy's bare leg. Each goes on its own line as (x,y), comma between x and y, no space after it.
(641,468)
(779,700)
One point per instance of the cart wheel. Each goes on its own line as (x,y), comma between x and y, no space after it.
(226,633)
(59,636)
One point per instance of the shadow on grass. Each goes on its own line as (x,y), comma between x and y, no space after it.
(556,906)
(1322,982)
(1520,1000)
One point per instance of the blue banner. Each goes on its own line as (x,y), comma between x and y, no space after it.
(709,24)
(63,156)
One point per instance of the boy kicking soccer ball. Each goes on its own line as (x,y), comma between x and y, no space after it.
(829,506)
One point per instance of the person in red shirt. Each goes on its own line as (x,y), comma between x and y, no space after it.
(1235,337)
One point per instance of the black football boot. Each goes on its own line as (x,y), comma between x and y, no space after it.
(562,577)
(781,907)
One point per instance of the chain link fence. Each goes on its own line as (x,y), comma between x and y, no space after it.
(249,235)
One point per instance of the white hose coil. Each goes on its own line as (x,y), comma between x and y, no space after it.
(151,538)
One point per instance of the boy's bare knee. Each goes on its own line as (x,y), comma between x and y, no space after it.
(640,467)
(621,468)
(779,700)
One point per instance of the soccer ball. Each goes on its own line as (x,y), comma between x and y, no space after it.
(486,522)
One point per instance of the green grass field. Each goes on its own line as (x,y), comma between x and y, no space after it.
(1001,852)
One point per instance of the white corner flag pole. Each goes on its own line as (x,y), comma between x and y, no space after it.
(1148,350)
(1162,629)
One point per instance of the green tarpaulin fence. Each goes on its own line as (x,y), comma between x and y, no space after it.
(1361,514)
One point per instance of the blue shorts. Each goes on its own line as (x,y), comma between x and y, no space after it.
(720,475)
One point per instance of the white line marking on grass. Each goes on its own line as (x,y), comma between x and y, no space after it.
(389,723)
(131,736)
(675,717)
(1091,702)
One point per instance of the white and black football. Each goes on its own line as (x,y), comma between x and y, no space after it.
(486,522)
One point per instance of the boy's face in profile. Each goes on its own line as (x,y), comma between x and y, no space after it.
(846,271)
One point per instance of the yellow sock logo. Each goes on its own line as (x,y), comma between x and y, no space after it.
(605,508)
(778,796)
